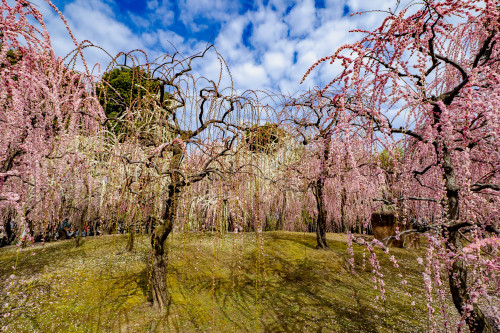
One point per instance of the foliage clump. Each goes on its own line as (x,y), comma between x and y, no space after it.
(264,138)
(122,89)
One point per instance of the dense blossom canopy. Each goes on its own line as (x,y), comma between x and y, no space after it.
(44,105)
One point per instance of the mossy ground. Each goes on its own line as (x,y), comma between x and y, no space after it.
(277,282)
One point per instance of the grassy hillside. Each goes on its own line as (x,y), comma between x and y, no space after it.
(277,283)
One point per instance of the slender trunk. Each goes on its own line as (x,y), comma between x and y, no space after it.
(130,242)
(80,227)
(77,239)
(458,274)
(162,230)
(281,218)
(319,193)
(343,197)
(230,222)
(321,219)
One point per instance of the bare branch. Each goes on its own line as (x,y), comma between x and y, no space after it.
(478,187)
(389,202)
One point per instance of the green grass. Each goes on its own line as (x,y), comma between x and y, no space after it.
(277,283)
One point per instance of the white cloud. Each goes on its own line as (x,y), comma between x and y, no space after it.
(216,10)
(277,63)
(100,27)
(250,76)
(164,14)
(152,4)
(268,28)
(139,20)
(284,43)
(302,18)
(168,40)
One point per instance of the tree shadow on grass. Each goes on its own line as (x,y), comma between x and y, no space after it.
(307,240)
(285,296)
(26,263)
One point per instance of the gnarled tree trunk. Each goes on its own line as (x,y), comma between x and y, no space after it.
(159,288)
(321,219)
(319,192)
(476,320)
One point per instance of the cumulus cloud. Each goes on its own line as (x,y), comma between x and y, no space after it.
(249,76)
(302,18)
(277,63)
(152,4)
(160,14)
(194,12)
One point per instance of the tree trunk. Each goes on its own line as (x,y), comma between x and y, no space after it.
(80,226)
(160,257)
(321,219)
(343,198)
(475,319)
(8,229)
(163,228)
(130,242)
(159,289)
(319,193)
(281,218)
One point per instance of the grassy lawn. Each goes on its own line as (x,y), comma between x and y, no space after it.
(274,283)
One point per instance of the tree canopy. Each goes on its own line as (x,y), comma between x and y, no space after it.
(122,88)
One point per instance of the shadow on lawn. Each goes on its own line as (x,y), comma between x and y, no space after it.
(307,240)
(283,295)
(26,263)
(303,298)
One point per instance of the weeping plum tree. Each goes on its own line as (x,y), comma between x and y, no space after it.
(334,152)
(322,118)
(44,106)
(436,64)
(201,126)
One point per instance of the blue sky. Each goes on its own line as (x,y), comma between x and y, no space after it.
(268,44)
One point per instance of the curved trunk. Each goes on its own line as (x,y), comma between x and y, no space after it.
(321,220)
(163,228)
(475,319)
